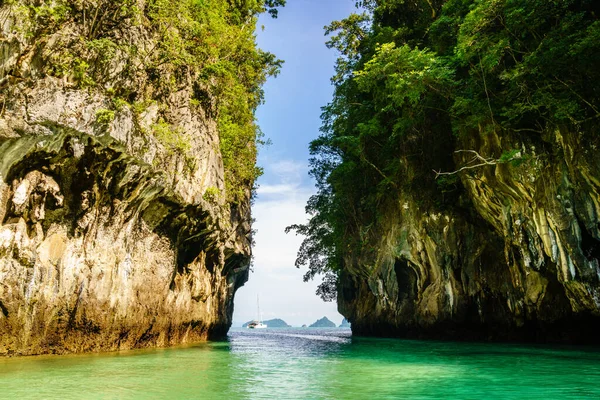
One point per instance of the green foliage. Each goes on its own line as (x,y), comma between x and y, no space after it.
(171,137)
(104,117)
(239,155)
(81,73)
(212,194)
(510,155)
(527,64)
(99,18)
(205,44)
(104,50)
(139,107)
(413,77)
(120,104)
(212,38)
(448,181)
(53,14)
(174,141)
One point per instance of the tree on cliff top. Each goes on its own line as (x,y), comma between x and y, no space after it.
(414,76)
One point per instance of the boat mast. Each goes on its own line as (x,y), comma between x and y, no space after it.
(258,310)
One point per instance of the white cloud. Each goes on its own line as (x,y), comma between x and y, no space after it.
(280,189)
(288,169)
(283,294)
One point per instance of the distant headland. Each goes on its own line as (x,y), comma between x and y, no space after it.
(323,323)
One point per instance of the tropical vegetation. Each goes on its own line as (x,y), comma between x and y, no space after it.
(413,78)
(207,44)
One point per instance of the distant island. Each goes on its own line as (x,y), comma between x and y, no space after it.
(323,323)
(272,323)
(345,324)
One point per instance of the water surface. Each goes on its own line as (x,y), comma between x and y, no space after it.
(309,363)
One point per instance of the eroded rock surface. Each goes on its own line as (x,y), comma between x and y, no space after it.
(515,259)
(107,239)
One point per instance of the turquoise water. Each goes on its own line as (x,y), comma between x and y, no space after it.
(310,364)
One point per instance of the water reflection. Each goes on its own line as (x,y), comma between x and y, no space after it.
(310,363)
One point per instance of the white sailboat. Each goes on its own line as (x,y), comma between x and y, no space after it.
(258,323)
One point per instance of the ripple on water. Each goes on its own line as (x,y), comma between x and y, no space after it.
(310,364)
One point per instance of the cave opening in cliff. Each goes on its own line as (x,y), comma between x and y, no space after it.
(406,279)
(590,246)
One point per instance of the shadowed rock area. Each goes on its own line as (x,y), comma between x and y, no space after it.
(517,261)
(116,230)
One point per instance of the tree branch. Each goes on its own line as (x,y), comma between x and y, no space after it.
(377,169)
(578,95)
(482,162)
(487,95)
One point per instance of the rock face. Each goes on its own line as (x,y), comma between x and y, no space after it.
(108,239)
(517,257)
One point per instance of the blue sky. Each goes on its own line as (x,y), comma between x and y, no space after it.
(290,118)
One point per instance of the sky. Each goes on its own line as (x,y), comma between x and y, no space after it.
(290,118)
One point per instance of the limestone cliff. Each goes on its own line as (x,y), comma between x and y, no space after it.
(458,173)
(116,230)
(517,259)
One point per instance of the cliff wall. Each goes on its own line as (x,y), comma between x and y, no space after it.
(116,228)
(519,260)
(458,171)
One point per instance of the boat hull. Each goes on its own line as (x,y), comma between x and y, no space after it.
(257,326)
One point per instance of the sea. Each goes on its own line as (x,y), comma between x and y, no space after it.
(311,363)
